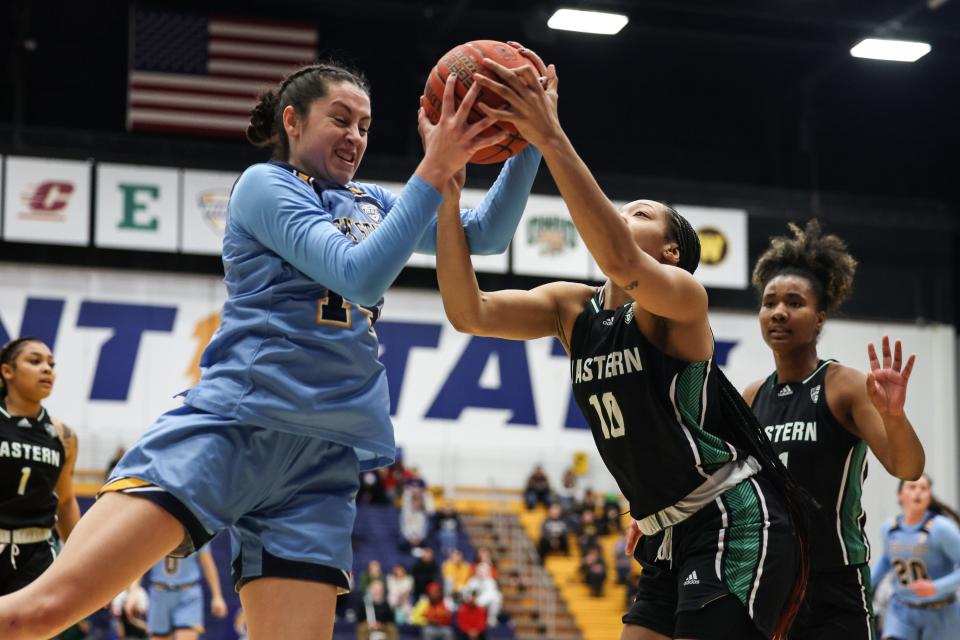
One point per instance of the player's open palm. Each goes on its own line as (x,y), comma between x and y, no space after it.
(887,384)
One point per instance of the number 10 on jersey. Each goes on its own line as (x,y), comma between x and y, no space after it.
(607,404)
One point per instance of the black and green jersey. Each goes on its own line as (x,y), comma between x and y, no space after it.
(653,417)
(31,457)
(825,458)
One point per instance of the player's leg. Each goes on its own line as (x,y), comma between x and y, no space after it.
(114,543)
(188,614)
(289,608)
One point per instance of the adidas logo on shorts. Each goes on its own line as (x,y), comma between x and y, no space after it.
(691,579)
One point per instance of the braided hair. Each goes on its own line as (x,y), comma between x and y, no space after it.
(8,355)
(682,232)
(299,90)
(823,260)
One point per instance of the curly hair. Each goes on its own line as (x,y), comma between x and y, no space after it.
(821,259)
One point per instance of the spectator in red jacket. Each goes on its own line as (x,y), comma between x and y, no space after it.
(471,618)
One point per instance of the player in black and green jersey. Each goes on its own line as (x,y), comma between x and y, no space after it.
(679,440)
(821,417)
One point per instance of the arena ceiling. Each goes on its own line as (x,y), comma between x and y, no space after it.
(751,92)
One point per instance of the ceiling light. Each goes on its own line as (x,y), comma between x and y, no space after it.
(587,21)
(895,50)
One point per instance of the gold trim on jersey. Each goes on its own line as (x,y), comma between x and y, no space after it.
(122,485)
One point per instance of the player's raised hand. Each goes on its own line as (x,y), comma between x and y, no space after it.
(887,384)
(532,102)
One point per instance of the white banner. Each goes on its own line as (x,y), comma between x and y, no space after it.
(547,243)
(723,245)
(469,411)
(203,204)
(47,201)
(137,207)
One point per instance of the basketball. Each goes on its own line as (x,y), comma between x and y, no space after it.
(464,60)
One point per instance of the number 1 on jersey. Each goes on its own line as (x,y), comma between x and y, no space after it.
(24,476)
(613,412)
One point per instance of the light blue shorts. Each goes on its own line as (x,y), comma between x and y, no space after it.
(172,610)
(287,500)
(913,623)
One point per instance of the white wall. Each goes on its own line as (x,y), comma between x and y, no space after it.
(478,446)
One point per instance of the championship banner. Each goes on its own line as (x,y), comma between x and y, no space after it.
(137,207)
(47,201)
(723,245)
(467,410)
(203,203)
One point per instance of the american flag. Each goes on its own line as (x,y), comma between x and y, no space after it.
(201,74)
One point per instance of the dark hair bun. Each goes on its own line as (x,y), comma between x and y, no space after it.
(262,130)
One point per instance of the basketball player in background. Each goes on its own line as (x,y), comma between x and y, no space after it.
(37,456)
(175,610)
(922,547)
(677,437)
(822,416)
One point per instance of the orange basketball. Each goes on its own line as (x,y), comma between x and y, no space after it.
(465,60)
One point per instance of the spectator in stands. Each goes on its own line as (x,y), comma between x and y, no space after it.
(446,524)
(424,571)
(594,571)
(553,533)
(413,480)
(611,515)
(588,532)
(471,618)
(623,563)
(371,489)
(115,459)
(538,488)
(568,493)
(400,593)
(375,619)
(433,615)
(393,482)
(487,592)
(414,521)
(485,554)
(456,572)
(374,573)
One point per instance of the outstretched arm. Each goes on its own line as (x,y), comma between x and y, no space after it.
(877,411)
(663,290)
(217,605)
(547,310)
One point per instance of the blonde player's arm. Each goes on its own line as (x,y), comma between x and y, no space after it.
(68,509)
(548,310)
(217,605)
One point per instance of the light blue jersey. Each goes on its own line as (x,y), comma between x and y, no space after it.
(929,549)
(306,265)
(176,572)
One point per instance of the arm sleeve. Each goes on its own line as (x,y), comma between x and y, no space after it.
(948,539)
(491,225)
(282,216)
(882,566)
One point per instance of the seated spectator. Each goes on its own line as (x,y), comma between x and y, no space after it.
(446,523)
(612,512)
(588,532)
(413,480)
(374,573)
(375,619)
(553,533)
(414,522)
(371,489)
(424,571)
(471,618)
(623,563)
(400,593)
(538,488)
(485,554)
(433,615)
(594,571)
(487,592)
(456,572)
(569,490)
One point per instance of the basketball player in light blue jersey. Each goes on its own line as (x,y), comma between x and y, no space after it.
(922,547)
(176,597)
(293,400)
